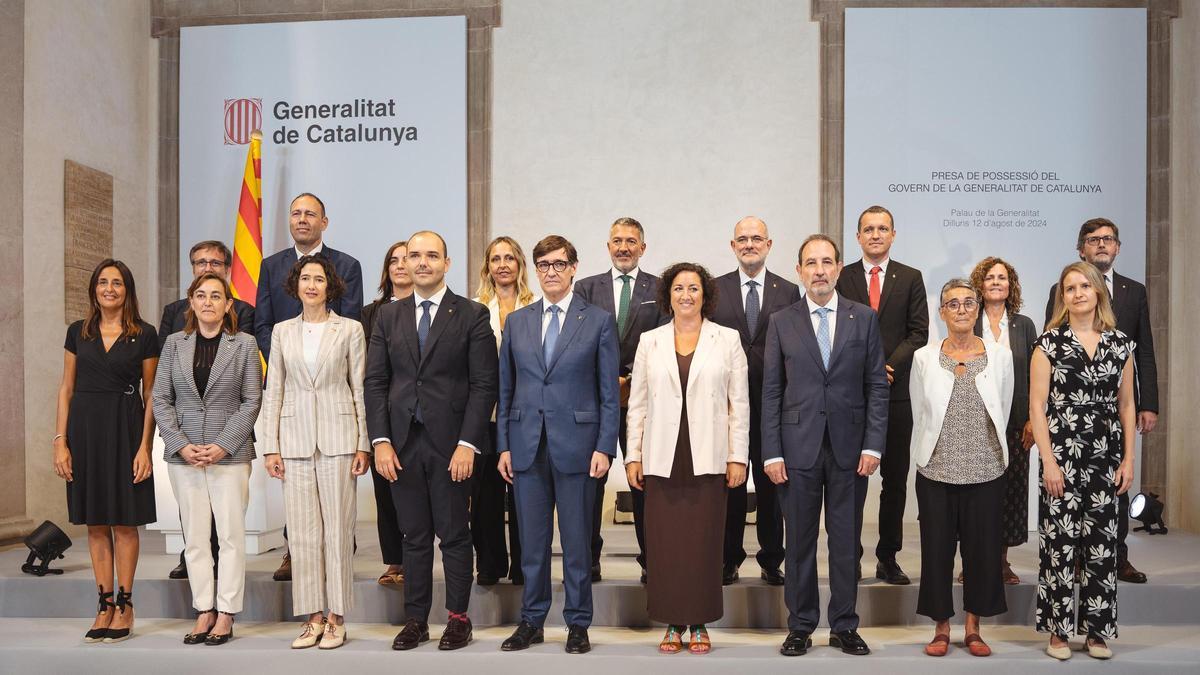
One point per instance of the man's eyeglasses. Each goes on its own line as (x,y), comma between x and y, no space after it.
(1107,239)
(756,240)
(544,266)
(955,305)
(211,264)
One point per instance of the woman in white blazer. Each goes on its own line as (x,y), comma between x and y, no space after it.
(315,441)
(503,288)
(961,390)
(688,441)
(206,398)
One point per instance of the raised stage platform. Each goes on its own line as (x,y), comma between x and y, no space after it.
(42,619)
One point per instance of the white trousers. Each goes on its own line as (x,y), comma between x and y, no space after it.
(321,507)
(222,490)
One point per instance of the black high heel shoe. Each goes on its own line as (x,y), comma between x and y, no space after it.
(119,634)
(197,638)
(215,640)
(98,634)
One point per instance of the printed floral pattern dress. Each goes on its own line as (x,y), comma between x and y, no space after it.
(1086,435)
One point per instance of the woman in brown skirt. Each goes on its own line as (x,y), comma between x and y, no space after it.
(688,440)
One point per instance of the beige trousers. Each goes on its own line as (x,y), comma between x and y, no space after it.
(222,490)
(320,504)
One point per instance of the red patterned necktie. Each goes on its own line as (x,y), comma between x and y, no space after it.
(873,291)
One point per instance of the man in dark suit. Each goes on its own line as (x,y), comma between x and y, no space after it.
(205,256)
(429,390)
(307,223)
(628,293)
(1099,243)
(824,418)
(896,293)
(746,299)
(556,430)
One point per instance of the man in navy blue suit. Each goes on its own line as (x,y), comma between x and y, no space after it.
(824,421)
(307,223)
(557,433)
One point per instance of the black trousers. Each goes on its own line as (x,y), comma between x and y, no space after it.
(390,539)
(429,503)
(1122,528)
(967,518)
(768,522)
(491,499)
(639,507)
(893,472)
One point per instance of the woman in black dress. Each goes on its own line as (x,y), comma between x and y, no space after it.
(394,284)
(1082,406)
(103,436)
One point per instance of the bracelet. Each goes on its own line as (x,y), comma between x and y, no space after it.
(56,437)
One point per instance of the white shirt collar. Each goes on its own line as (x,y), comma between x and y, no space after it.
(436,297)
(563,305)
(616,274)
(832,304)
(758,278)
(317,249)
(882,266)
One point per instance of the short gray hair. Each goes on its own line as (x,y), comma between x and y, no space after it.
(958,282)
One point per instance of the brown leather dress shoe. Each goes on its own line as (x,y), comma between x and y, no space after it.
(284,573)
(1128,573)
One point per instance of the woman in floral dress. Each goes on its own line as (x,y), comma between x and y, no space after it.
(1081,404)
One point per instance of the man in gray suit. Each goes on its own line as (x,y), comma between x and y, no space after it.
(824,421)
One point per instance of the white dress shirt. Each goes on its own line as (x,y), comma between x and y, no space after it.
(563,305)
(436,298)
(745,279)
(1108,281)
(832,305)
(316,249)
(617,283)
(882,273)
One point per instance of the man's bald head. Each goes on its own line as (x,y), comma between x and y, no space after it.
(751,243)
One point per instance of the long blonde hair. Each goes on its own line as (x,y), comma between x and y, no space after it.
(1104,319)
(487,287)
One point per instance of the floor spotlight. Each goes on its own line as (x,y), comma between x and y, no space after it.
(1147,510)
(46,543)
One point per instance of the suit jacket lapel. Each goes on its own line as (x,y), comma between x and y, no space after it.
(705,346)
(640,293)
(809,337)
(733,295)
(771,297)
(889,286)
(535,327)
(225,349)
(857,284)
(185,355)
(845,317)
(444,316)
(571,321)
(408,327)
(328,339)
(604,297)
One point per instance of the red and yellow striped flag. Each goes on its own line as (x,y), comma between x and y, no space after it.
(247,235)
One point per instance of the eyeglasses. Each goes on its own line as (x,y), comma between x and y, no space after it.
(205,262)
(1107,239)
(955,305)
(756,240)
(544,266)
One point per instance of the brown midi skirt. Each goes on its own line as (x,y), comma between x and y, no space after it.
(685,528)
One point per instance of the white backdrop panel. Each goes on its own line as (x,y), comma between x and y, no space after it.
(941,102)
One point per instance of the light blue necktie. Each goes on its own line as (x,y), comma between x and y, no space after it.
(823,340)
(551,334)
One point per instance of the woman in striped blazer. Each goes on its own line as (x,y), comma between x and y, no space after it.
(314,422)
(206,398)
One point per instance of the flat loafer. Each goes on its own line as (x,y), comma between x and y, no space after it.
(195,638)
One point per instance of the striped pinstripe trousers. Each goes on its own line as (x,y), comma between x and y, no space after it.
(320,505)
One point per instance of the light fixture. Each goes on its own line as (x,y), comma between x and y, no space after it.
(1147,510)
(46,543)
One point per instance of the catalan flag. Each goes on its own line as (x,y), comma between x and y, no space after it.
(247,235)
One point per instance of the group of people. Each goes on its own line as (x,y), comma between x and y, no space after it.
(497,413)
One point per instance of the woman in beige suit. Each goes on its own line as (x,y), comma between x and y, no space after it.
(688,441)
(315,441)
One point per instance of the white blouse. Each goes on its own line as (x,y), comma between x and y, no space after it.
(990,338)
(312,334)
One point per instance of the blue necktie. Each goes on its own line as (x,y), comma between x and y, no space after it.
(823,340)
(752,307)
(551,334)
(423,325)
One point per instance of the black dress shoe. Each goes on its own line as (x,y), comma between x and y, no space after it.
(850,642)
(522,637)
(796,644)
(858,573)
(729,575)
(596,573)
(180,571)
(1128,573)
(772,577)
(890,572)
(457,634)
(486,579)
(414,633)
(518,579)
(215,640)
(197,638)
(577,640)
